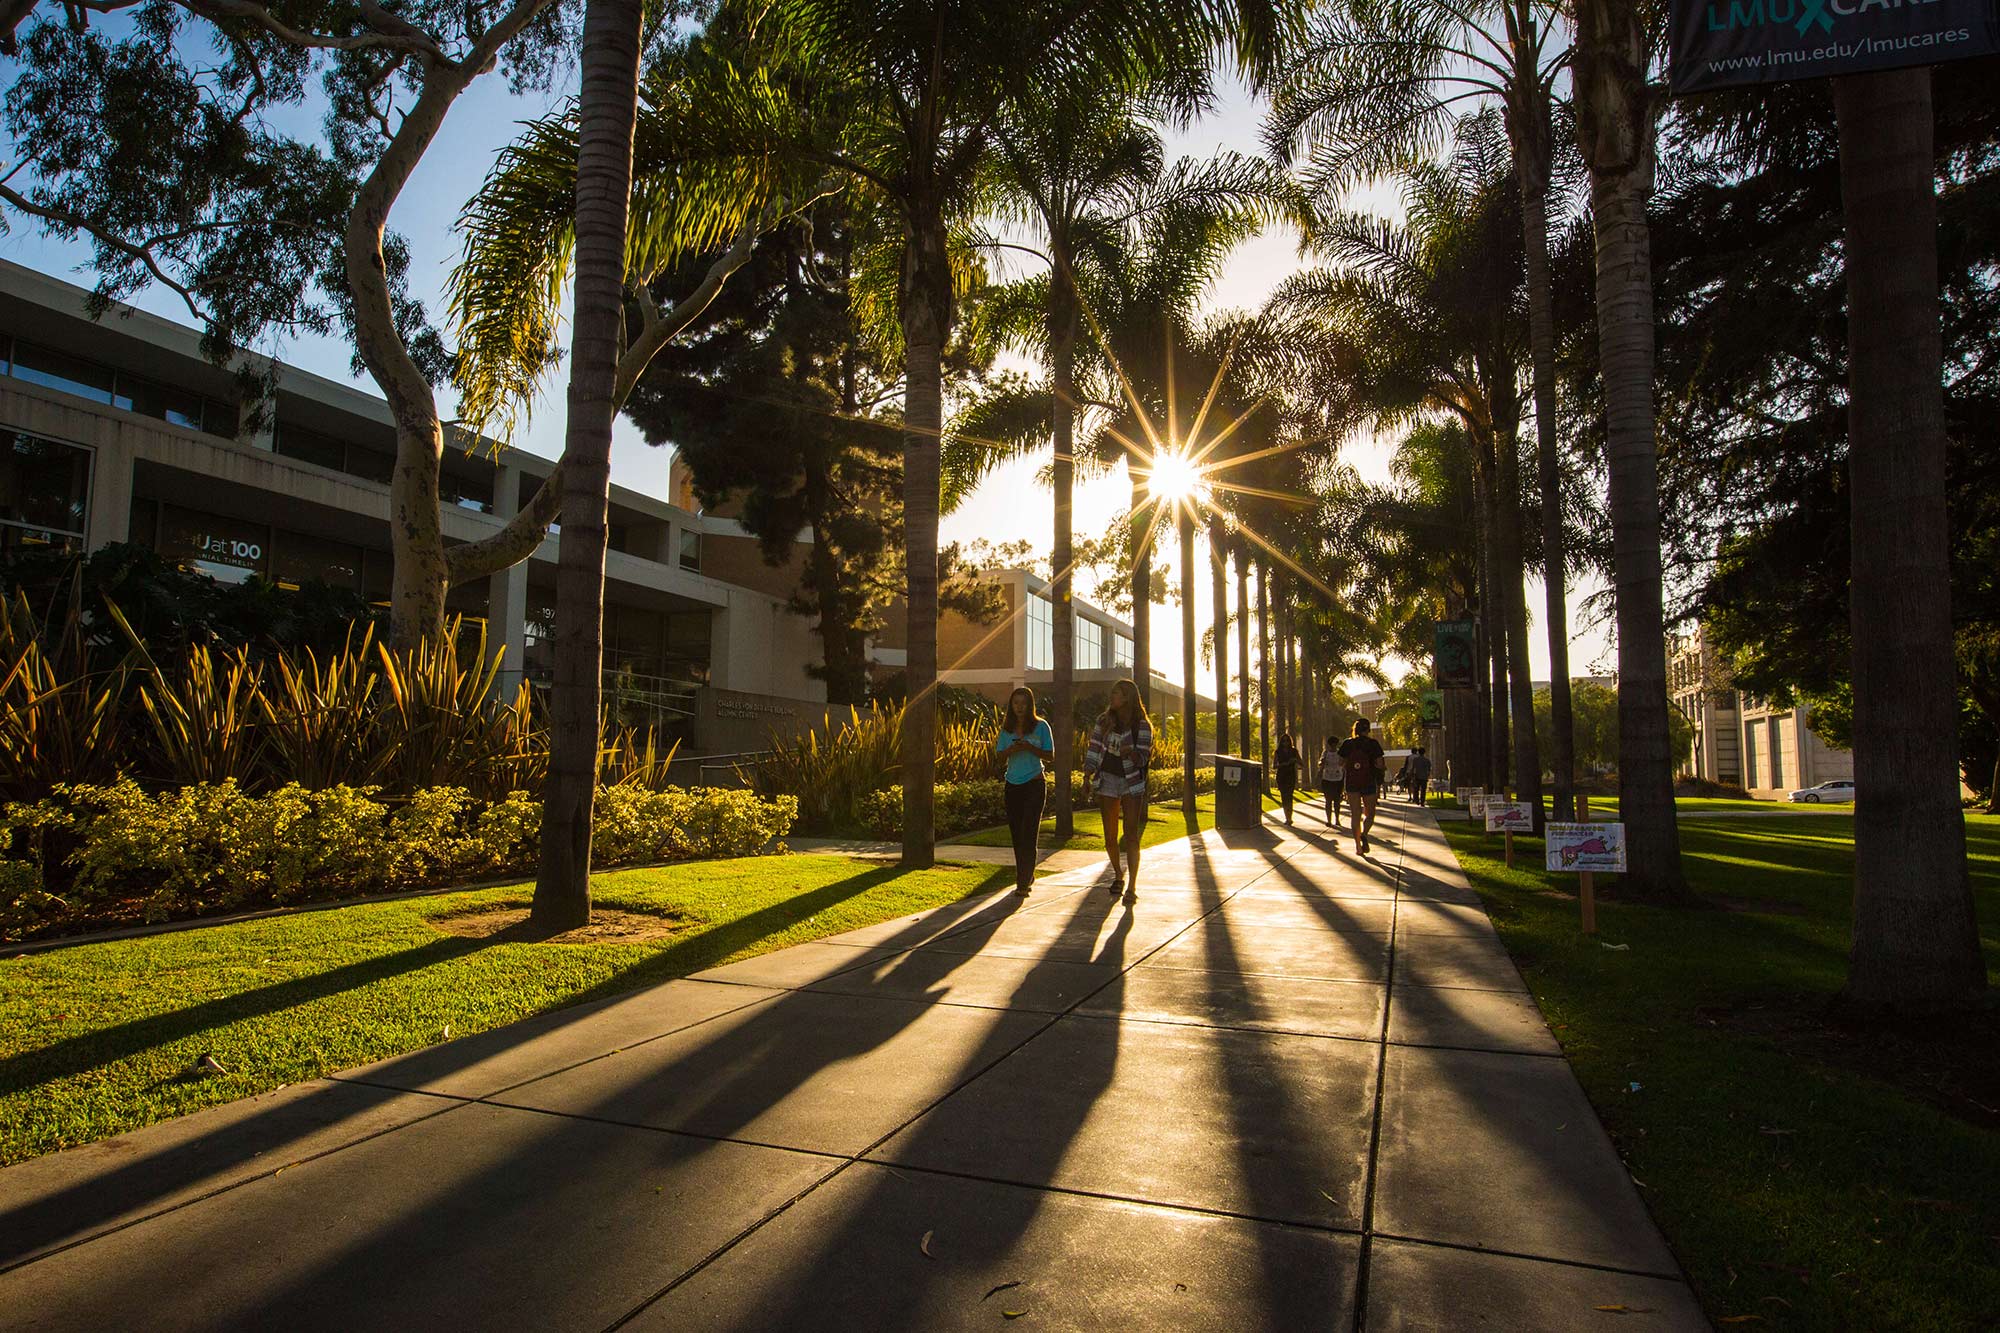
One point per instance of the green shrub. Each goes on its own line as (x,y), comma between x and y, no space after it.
(117,852)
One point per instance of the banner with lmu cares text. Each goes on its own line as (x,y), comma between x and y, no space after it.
(1723,43)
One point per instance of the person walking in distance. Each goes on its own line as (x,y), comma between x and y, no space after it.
(1420,775)
(1286,761)
(1361,764)
(1025,743)
(1121,748)
(1330,776)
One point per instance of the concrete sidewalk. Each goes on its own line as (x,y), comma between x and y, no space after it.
(1289,1088)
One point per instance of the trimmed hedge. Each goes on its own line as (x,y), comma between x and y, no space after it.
(107,855)
(962,807)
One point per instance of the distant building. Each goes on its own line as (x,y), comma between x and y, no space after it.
(1018,647)
(1740,740)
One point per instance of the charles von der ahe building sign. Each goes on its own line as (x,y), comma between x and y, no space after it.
(1722,43)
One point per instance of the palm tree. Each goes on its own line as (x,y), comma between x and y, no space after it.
(1616,111)
(1915,940)
(606,110)
(903,98)
(1144,260)
(1377,85)
(1089,175)
(1421,322)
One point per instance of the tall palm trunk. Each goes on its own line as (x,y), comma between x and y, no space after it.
(1264,670)
(1493,605)
(1142,594)
(1218,566)
(1916,942)
(1283,617)
(1190,712)
(926,315)
(1242,651)
(1616,127)
(1062,375)
(607,111)
(1527,758)
(1532,167)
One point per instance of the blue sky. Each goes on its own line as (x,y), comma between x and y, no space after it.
(487,117)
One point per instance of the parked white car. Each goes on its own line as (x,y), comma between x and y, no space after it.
(1828,792)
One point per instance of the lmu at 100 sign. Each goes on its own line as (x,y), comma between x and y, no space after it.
(1721,43)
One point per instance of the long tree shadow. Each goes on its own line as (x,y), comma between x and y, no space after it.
(973,1241)
(97,1198)
(747,1065)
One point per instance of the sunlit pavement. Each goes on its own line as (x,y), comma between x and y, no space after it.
(1287,1088)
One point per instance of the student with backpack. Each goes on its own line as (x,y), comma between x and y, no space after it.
(1330,777)
(1362,766)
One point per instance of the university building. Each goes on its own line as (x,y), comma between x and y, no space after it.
(120,430)
(1741,740)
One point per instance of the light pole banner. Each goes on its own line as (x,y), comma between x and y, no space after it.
(1455,655)
(1724,43)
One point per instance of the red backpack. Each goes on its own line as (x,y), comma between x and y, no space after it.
(1360,767)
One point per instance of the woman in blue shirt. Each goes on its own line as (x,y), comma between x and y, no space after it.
(1025,742)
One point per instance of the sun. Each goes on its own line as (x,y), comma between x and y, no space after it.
(1174,477)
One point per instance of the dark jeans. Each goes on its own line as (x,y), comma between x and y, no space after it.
(1024,821)
(1330,790)
(1286,786)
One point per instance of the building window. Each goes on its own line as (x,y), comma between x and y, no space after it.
(63,373)
(1089,645)
(1041,633)
(474,493)
(309,446)
(44,492)
(691,550)
(1121,650)
(115,388)
(298,559)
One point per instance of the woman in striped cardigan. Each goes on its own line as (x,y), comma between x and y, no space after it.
(1121,746)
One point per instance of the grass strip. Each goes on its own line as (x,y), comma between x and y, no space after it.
(98,1039)
(1809,1176)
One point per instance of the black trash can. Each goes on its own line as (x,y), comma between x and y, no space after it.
(1239,791)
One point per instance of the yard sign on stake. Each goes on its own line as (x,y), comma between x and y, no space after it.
(1507,817)
(1583,849)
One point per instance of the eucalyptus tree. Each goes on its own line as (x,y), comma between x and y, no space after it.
(163,138)
(1377,85)
(1420,322)
(1617,114)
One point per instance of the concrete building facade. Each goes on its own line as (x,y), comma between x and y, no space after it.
(120,430)
(1740,740)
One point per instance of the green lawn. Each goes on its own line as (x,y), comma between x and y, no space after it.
(95,1039)
(1807,1175)
(1164,823)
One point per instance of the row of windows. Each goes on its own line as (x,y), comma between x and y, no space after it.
(1097,645)
(111,387)
(121,389)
